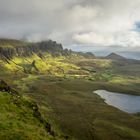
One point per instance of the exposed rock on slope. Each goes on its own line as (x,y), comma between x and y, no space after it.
(6,88)
(10,48)
(26,110)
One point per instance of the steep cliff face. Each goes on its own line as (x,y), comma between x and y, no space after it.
(18,48)
(10,48)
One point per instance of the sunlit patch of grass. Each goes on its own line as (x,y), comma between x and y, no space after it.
(124,79)
(103,63)
(48,65)
(11,67)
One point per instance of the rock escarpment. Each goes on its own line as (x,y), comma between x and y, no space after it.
(11,48)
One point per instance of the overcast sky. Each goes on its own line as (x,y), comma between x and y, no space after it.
(94,25)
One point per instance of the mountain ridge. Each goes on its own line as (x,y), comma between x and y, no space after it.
(10,48)
(115,56)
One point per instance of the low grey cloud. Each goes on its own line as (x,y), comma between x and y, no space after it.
(85,24)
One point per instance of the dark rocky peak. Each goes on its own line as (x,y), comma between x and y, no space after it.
(115,56)
(10,48)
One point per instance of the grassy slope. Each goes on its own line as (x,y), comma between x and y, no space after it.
(17,122)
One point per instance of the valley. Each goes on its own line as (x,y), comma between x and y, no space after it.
(61,82)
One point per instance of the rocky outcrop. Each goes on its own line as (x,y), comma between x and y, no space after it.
(38,115)
(4,87)
(16,100)
(11,48)
(27,49)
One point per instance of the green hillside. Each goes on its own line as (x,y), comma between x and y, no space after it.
(19,120)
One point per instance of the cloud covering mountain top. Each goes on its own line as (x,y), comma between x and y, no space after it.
(93,24)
